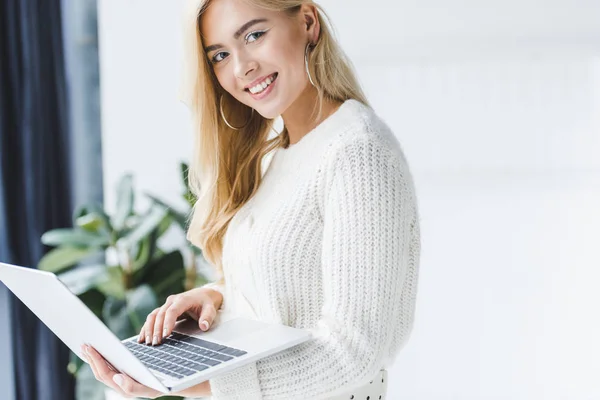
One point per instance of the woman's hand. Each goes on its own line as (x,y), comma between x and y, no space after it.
(121,383)
(129,387)
(200,303)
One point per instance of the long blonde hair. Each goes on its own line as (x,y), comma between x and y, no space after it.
(225,171)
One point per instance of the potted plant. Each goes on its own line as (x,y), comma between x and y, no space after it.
(140,276)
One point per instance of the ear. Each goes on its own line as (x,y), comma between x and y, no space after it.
(310,21)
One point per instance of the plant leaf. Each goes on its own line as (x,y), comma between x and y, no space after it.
(164,225)
(175,283)
(143,253)
(189,198)
(90,222)
(185,170)
(116,317)
(81,279)
(94,300)
(150,222)
(62,258)
(165,275)
(79,212)
(125,198)
(141,301)
(75,363)
(96,210)
(112,285)
(188,195)
(200,280)
(86,385)
(197,251)
(179,217)
(74,238)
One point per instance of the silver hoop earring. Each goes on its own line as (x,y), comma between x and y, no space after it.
(227,123)
(306,64)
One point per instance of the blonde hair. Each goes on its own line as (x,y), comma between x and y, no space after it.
(225,171)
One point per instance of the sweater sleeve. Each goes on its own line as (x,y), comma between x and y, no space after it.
(219,286)
(367,217)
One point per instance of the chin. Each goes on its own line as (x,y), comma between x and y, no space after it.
(269,115)
(268,112)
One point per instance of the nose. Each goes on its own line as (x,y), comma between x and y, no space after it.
(244,65)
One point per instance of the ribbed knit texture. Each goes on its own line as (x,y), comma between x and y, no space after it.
(329,243)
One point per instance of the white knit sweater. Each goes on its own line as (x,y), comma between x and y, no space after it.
(329,243)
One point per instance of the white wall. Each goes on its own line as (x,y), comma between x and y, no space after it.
(497,105)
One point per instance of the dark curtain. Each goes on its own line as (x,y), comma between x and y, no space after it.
(35,187)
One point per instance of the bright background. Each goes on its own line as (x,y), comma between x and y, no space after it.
(497,107)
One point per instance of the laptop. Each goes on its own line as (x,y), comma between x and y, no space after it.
(186,358)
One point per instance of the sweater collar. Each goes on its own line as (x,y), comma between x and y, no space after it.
(343,116)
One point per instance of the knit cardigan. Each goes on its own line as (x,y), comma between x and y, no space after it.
(330,243)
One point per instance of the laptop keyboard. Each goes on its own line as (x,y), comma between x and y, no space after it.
(180,355)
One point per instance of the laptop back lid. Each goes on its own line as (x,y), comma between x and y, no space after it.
(71,320)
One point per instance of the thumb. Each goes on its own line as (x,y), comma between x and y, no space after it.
(203,324)
(118,379)
(207,316)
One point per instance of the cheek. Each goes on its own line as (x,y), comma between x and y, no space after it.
(224,77)
(292,58)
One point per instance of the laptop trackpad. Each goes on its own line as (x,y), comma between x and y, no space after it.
(226,330)
(234,328)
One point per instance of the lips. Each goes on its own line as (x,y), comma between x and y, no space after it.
(256,82)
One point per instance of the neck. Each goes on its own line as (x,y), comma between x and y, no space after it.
(298,119)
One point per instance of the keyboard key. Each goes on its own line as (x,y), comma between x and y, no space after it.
(221,357)
(181,355)
(231,351)
(203,343)
(210,362)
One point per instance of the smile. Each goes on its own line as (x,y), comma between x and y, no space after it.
(262,86)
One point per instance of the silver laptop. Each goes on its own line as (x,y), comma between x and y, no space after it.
(184,359)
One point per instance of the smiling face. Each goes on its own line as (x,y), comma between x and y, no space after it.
(249,47)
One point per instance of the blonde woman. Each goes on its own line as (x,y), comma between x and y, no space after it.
(326,238)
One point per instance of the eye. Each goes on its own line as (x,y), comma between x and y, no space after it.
(215,59)
(256,34)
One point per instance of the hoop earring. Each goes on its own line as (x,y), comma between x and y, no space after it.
(306,65)
(226,122)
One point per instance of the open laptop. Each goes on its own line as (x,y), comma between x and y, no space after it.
(184,359)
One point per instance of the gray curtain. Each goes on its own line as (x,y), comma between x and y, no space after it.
(38,186)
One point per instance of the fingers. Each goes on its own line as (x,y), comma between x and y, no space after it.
(159,327)
(178,306)
(152,332)
(99,367)
(146,332)
(131,387)
(121,383)
(160,322)
(207,316)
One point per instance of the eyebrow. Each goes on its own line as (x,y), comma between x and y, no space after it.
(237,34)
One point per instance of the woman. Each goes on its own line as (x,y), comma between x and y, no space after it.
(327,239)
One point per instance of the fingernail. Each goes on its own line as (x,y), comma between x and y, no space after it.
(204,325)
(148,339)
(165,333)
(118,379)
(155,341)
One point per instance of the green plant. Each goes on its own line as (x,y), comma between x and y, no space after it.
(122,292)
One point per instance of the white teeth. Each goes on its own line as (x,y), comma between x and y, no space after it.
(261,86)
